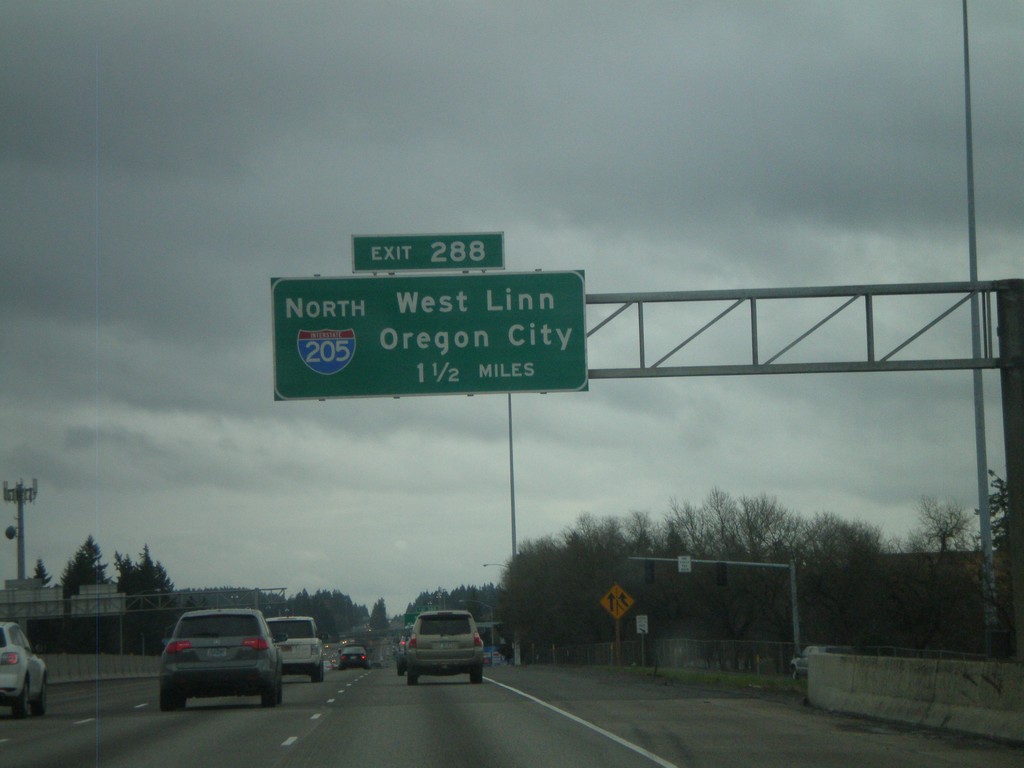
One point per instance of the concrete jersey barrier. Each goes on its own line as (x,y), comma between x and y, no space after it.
(80,668)
(978,697)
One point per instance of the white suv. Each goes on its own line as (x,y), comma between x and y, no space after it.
(22,673)
(302,647)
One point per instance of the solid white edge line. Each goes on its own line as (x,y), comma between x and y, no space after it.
(595,728)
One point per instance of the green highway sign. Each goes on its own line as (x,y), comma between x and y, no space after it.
(403,253)
(428,335)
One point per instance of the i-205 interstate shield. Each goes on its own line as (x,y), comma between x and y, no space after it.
(327,351)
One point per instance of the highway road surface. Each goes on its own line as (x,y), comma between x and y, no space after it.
(533,717)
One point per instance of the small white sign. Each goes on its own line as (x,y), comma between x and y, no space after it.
(685,566)
(641,624)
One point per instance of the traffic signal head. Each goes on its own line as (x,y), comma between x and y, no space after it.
(721,574)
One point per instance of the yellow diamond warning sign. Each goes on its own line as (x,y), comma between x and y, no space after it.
(617,601)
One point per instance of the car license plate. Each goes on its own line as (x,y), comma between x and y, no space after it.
(217,653)
(445,644)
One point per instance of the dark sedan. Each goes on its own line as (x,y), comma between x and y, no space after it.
(353,656)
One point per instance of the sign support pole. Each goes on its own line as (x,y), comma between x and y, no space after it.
(618,642)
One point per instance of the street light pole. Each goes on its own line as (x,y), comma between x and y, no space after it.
(20,493)
(980,442)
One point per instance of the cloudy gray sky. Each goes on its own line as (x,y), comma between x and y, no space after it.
(161,161)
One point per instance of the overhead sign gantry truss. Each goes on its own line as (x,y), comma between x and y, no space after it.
(723,304)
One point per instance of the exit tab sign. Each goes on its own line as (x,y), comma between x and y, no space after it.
(403,253)
(428,335)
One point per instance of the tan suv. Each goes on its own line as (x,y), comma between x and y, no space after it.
(444,643)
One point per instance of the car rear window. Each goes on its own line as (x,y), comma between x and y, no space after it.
(218,626)
(3,639)
(293,629)
(444,625)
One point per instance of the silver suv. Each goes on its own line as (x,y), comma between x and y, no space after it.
(220,653)
(444,643)
(302,649)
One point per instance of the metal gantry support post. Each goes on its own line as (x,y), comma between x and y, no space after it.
(1010,305)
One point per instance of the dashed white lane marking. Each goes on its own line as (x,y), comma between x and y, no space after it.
(315,717)
(87,720)
(330,701)
(141,706)
(289,741)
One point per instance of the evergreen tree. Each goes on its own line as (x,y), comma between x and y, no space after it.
(86,567)
(143,577)
(142,630)
(87,634)
(379,615)
(41,573)
(998,509)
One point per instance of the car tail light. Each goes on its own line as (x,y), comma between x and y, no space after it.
(10,657)
(412,642)
(257,643)
(176,646)
(477,640)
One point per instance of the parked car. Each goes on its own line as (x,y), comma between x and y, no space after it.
(444,643)
(353,656)
(302,650)
(220,653)
(22,673)
(798,665)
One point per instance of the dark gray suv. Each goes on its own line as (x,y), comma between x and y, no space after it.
(220,653)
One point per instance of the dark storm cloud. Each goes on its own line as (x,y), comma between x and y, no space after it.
(160,161)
